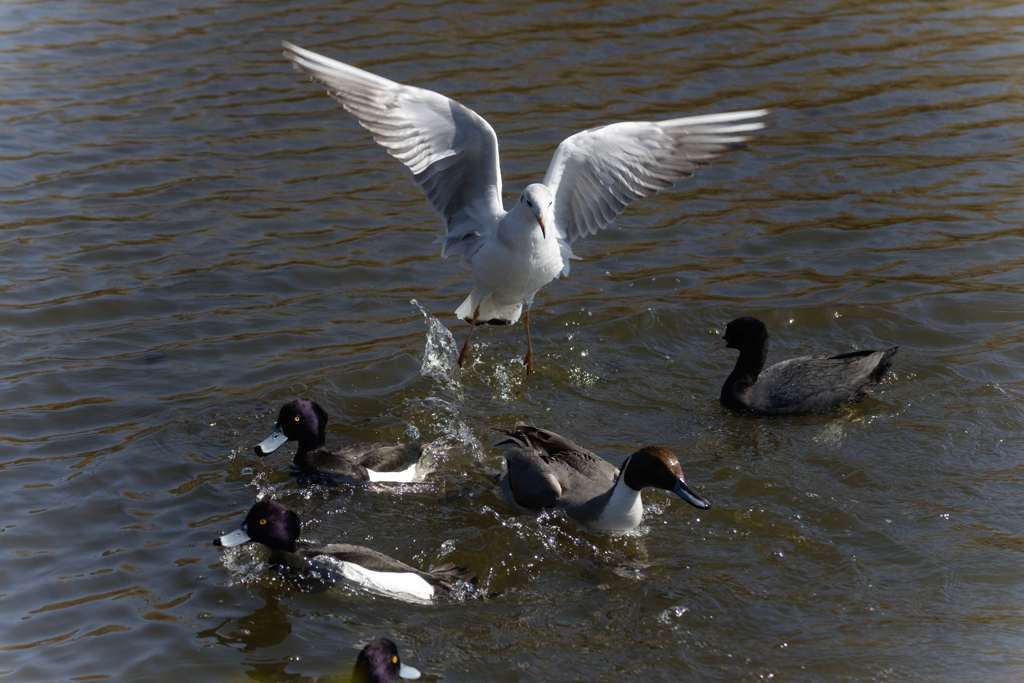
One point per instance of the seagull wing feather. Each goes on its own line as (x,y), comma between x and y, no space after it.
(451,150)
(596,173)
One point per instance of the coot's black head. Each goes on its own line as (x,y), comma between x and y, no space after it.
(379,662)
(745,333)
(300,420)
(658,467)
(269,523)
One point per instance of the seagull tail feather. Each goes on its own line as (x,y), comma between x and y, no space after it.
(487,311)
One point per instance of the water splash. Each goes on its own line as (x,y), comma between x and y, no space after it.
(447,427)
(452,433)
(439,352)
(672,615)
(832,434)
(507,382)
(245,564)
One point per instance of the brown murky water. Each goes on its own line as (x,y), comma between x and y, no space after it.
(192,234)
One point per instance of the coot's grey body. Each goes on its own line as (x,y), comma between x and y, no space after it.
(806,384)
(546,470)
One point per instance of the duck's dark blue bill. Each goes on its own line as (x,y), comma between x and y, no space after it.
(408,672)
(272,442)
(690,496)
(236,537)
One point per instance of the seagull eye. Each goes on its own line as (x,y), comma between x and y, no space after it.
(298,418)
(394,659)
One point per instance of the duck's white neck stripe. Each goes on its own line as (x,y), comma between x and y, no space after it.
(624,509)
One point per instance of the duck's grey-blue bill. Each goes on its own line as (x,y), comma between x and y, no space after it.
(272,442)
(408,672)
(690,496)
(236,537)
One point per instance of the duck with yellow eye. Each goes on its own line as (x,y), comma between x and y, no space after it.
(378,662)
(305,422)
(278,529)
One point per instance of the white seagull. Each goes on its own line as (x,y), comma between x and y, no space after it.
(452,153)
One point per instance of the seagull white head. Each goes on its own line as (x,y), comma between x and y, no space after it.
(538,200)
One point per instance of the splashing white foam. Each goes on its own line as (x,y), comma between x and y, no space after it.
(506,383)
(439,358)
(439,352)
(453,434)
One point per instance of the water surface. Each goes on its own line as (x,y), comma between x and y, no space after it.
(192,234)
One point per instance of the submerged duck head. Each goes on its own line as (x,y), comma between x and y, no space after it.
(300,420)
(269,523)
(379,662)
(745,333)
(658,467)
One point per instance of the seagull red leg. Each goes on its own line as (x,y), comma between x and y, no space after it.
(528,360)
(464,352)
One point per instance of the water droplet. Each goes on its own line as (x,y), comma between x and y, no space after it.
(672,613)
(439,350)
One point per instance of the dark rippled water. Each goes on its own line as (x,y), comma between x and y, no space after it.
(192,234)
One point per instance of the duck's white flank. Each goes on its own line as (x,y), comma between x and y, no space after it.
(624,510)
(399,585)
(401,476)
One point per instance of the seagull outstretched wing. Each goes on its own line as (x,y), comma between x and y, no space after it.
(450,149)
(596,173)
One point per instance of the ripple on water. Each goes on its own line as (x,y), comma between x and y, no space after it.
(192,235)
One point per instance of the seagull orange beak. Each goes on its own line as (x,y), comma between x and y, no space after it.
(543,230)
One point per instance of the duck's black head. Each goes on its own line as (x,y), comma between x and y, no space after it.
(269,523)
(378,662)
(300,420)
(658,467)
(745,334)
